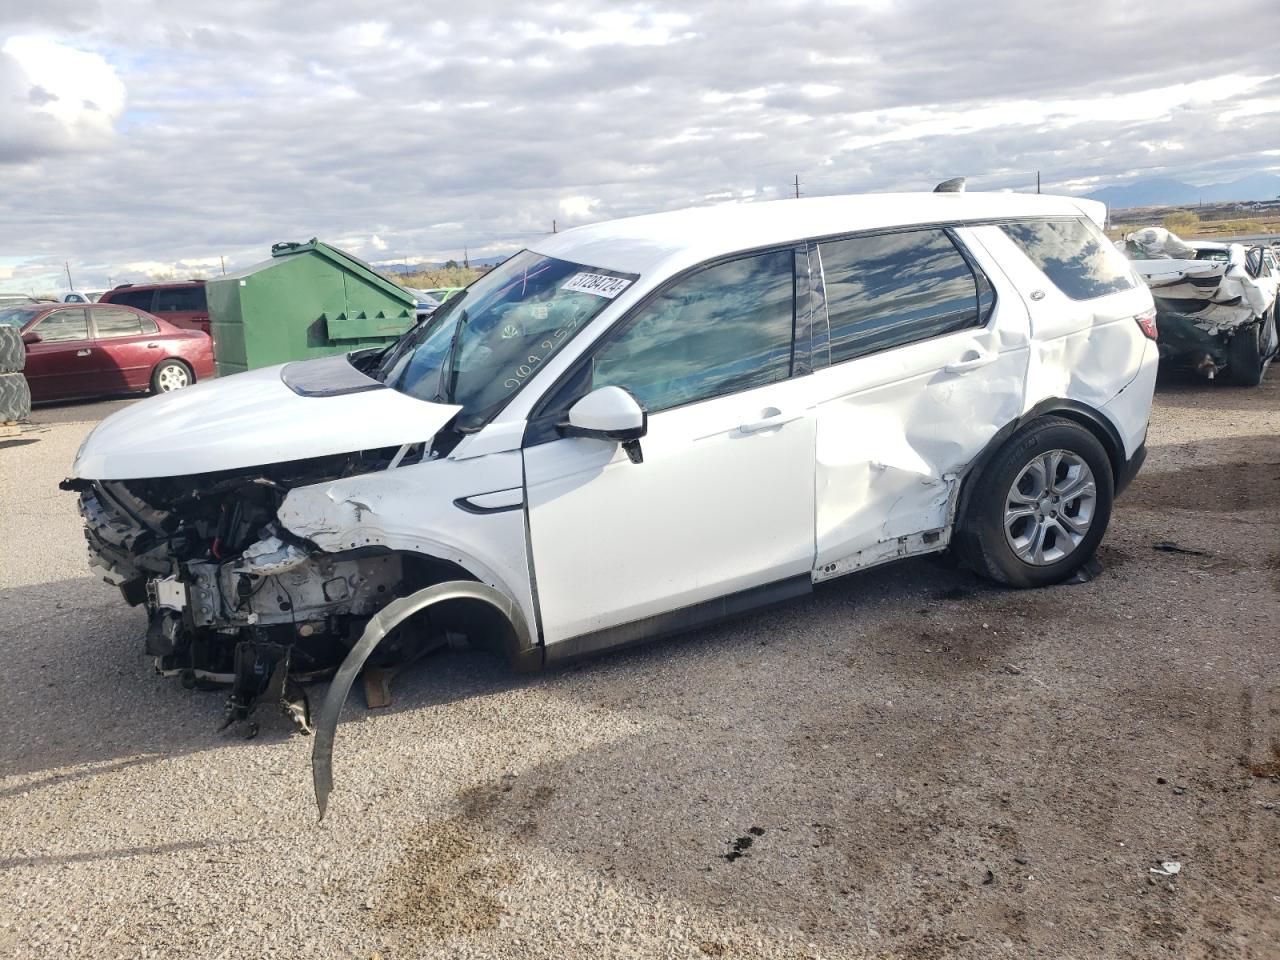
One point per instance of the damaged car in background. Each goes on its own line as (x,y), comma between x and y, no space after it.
(1216,302)
(632,429)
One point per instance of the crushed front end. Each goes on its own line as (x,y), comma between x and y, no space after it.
(231,596)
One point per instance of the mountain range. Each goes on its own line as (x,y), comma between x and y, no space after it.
(1169,193)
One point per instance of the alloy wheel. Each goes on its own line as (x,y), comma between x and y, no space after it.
(1050,507)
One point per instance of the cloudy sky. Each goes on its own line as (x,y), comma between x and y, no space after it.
(152,137)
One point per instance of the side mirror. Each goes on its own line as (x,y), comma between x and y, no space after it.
(609,413)
(31,337)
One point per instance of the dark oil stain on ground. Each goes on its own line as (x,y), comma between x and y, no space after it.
(741,845)
(446,882)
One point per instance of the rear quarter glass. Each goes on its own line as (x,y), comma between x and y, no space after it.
(1075,255)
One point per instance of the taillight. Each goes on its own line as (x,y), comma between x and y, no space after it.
(1147,321)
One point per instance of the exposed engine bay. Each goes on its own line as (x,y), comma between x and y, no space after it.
(232,597)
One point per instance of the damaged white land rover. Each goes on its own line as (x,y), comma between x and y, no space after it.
(637,427)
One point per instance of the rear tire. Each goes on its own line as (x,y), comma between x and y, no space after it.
(1245,359)
(170,375)
(1040,507)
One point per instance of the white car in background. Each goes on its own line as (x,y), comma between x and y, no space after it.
(1216,302)
(639,427)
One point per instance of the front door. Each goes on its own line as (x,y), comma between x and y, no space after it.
(723,500)
(62,365)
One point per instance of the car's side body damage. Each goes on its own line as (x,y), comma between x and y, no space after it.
(266,551)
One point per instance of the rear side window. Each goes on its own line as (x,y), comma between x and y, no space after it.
(117,323)
(62,325)
(180,300)
(1075,255)
(888,290)
(133,298)
(723,330)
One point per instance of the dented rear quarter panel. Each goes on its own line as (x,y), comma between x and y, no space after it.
(1087,351)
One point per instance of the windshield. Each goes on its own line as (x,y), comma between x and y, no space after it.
(484,342)
(16,316)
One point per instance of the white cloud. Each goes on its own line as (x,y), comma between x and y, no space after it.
(55,97)
(412,132)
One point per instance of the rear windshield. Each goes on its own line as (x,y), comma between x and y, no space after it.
(1075,255)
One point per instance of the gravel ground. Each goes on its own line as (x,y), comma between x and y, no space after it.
(910,764)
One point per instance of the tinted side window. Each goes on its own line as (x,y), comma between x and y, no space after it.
(149,325)
(723,330)
(63,325)
(1075,255)
(888,290)
(180,300)
(117,323)
(134,298)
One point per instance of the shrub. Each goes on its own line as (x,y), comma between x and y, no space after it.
(1182,222)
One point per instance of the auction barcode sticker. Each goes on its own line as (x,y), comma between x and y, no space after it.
(597,284)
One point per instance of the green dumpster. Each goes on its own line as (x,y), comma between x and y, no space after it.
(308,300)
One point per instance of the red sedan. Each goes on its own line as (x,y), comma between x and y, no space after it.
(95,349)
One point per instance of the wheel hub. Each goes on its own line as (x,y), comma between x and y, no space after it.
(1050,507)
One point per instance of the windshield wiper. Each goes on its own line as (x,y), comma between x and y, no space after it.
(448,380)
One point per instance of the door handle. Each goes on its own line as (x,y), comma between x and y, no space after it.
(83,353)
(972,360)
(153,346)
(770,418)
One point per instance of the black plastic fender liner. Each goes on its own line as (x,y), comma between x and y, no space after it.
(387,619)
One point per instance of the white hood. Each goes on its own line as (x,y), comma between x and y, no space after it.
(246,420)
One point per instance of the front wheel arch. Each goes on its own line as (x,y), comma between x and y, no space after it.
(382,623)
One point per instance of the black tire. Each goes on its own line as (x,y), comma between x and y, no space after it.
(15,397)
(981,540)
(13,352)
(166,372)
(1245,361)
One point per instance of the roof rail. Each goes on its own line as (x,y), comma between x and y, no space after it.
(954,185)
(119,286)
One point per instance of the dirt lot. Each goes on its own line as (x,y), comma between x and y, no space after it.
(910,764)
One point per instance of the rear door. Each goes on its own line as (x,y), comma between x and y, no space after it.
(62,365)
(128,347)
(926,362)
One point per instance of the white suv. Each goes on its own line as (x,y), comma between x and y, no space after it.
(641,426)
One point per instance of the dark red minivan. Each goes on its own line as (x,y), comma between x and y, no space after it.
(95,349)
(181,303)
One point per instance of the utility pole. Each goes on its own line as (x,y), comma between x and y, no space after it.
(67,267)
(553,226)
(1037,181)
(797,186)
(466,258)
(223,260)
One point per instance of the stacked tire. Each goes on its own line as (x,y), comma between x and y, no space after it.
(15,394)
